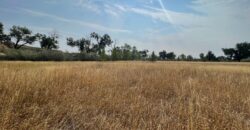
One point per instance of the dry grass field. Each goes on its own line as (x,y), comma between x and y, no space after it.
(124,95)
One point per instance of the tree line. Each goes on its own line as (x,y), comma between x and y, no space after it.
(96,45)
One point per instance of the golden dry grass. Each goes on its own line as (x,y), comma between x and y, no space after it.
(124,95)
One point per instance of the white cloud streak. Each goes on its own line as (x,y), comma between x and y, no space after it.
(90,5)
(72,21)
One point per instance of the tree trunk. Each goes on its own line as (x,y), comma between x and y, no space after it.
(16,44)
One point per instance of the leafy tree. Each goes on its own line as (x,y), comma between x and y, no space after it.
(4,39)
(222,58)
(48,42)
(1,32)
(171,56)
(163,55)
(22,35)
(210,56)
(83,44)
(116,53)
(1,28)
(126,52)
(153,57)
(190,58)
(242,51)
(135,55)
(182,57)
(144,54)
(97,38)
(202,57)
(88,46)
(105,41)
(102,42)
(229,52)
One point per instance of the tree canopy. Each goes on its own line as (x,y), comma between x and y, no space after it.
(5,39)
(1,28)
(210,56)
(22,35)
(241,51)
(48,42)
(163,55)
(82,44)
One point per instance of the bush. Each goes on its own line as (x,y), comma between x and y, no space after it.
(48,55)
(81,57)
(31,55)
(246,60)
(37,54)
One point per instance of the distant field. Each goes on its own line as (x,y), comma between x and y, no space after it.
(124,95)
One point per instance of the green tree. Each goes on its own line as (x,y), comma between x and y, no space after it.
(242,51)
(135,54)
(163,55)
(171,56)
(116,53)
(105,41)
(229,52)
(1,28)
(97,38)
(143,54)
(153,57)
(22,35)
(4,39)
(222,58)
(190,58)
(126,52)
(182,57)
(48,42)
(101,42)
(210,56)
(82,44)
(202,57)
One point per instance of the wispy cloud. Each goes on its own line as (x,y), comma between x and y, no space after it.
(81,23)
(120,7)
(115,9)
(111,10)
(217,24)
(177,19)
(89,4)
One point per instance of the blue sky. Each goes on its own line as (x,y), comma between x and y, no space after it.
(183,26)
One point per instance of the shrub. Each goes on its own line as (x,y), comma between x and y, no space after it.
(81,57)
(246,60)
(31,55)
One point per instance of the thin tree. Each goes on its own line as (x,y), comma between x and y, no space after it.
(153,57)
